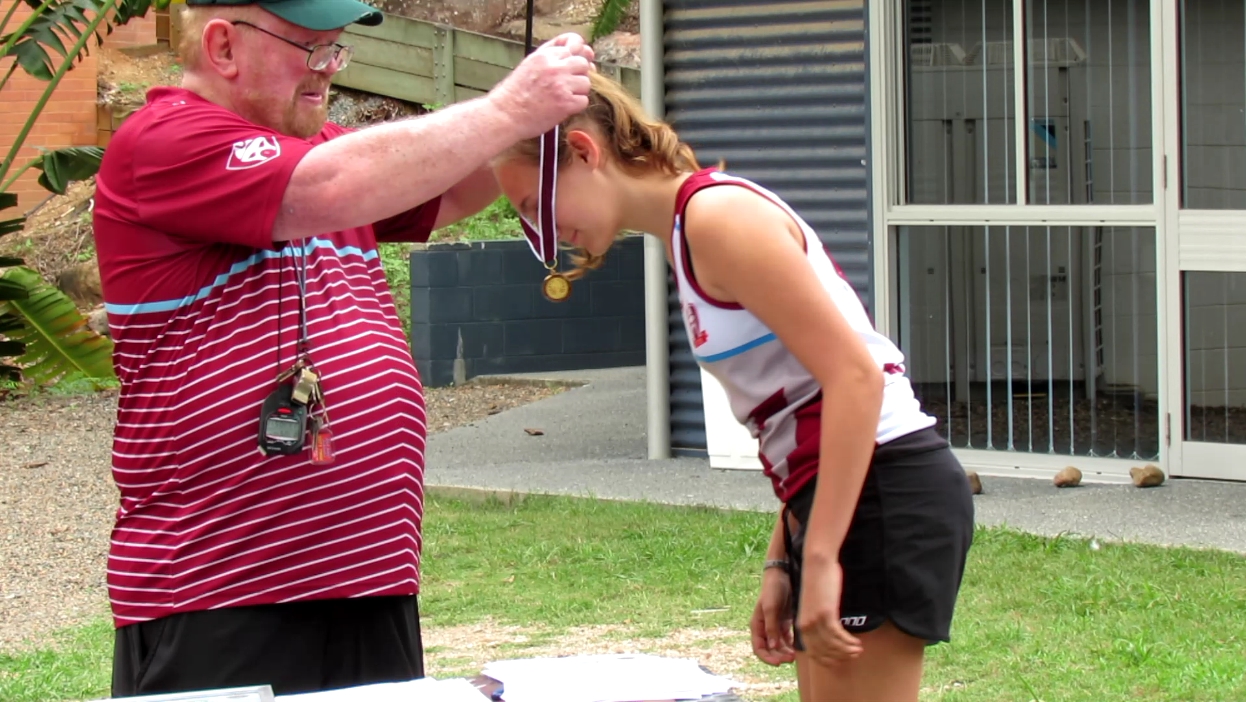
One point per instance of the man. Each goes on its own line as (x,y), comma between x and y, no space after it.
(269,448)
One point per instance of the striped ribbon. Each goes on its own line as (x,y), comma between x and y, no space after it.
(543,235)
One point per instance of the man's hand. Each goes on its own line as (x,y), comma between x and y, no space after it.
(548,86)
(771,624)
(825,639)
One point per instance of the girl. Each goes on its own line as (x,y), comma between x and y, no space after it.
(867,555)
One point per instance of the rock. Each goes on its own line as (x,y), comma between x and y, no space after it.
(1147,476)
(97,321)
(81,283)
(1068,477)
(622,48)
(975,483)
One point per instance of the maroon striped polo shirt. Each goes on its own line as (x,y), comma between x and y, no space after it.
(202,305)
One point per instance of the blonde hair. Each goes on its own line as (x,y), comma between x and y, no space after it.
(636,142)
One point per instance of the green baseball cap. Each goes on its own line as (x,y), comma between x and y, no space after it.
(316,15)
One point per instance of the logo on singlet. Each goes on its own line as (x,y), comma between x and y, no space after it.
(253,152)
(699,335)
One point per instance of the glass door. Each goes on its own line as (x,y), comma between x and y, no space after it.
(1206,100)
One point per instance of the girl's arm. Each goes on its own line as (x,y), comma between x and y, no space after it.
(747,249)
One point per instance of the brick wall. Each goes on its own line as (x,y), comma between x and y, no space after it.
(138,32)
(69,118)
(482,302)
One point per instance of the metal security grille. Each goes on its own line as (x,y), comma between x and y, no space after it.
(776,90)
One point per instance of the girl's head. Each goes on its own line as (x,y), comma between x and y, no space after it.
(610,142)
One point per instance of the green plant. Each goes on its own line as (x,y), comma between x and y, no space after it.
(41,325)
(497,221)
(53,334)
(609,15)
(395,259)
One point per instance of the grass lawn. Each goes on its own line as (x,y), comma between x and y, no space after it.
(1056,620)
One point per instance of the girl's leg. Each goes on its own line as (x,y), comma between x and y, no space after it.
(889,669)
(803,682)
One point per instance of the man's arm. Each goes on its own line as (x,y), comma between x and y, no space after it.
(378,172)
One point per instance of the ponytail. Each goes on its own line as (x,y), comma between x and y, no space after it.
(636,142)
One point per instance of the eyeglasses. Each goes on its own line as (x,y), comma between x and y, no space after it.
(320,56)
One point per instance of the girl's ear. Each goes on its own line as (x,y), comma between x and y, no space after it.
(584,148)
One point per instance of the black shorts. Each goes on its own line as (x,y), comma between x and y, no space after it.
(904,555)
(296,647)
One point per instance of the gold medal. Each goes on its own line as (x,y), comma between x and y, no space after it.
(556,287)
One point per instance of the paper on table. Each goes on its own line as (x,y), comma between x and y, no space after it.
(256,693)
(424,690)
(605,678)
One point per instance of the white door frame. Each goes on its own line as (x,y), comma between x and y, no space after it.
(1202,240)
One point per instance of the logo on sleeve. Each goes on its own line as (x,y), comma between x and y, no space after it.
(253,152)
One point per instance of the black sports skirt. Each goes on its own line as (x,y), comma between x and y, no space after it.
(904,555)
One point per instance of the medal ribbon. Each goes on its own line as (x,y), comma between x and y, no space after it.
(543,236)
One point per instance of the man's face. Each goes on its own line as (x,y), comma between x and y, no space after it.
(275,86)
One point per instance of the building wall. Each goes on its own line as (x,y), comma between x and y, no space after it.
(138,32)
(776,90)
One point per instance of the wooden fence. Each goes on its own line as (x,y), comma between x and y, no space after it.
(432,64)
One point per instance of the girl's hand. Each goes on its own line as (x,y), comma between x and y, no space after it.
(771,624)
(825,639)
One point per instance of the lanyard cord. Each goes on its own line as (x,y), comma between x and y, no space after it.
(303,344)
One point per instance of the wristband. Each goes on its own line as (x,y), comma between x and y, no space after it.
(780,563)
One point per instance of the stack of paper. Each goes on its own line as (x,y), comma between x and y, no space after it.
(256,693)
(605,678)
(424,690)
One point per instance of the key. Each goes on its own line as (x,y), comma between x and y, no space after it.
(322,441)
(290,372)
(306,388)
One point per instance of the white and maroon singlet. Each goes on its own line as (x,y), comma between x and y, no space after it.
(770,391)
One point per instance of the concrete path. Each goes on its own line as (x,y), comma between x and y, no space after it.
(593,444)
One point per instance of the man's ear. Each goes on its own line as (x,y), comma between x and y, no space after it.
(218,47)
(584,148)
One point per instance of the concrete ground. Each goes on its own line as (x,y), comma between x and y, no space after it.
(592,443)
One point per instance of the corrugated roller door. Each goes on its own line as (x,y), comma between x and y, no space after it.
(776,90)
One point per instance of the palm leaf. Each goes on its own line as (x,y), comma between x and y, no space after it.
(8,226)
(130,9)
(8,372)
(57,339)
(609,15)
(62,23)
(9,323)
(6,261)
(62,166)
(13,290)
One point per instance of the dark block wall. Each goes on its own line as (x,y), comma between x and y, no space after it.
(482,302)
